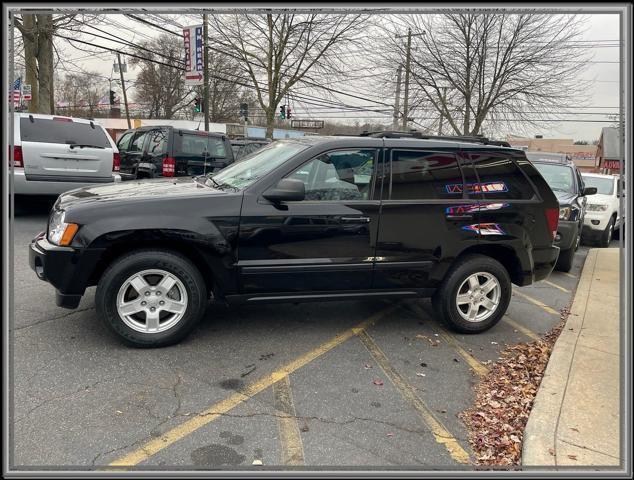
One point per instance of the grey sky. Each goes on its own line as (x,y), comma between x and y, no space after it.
(603,96)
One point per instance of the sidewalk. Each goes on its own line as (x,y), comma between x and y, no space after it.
(575,417)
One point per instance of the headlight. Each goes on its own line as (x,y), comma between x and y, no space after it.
(60,232)
(564,213)
(596,208)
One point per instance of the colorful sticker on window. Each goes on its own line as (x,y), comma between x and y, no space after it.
(473,208)
(488,187)
(485,229)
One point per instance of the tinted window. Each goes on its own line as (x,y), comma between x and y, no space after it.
(340,175)
(216,147)
(604,186)
(500,178)
(157,142)
(193,145)
(124,142)
(423,175)
(558,177)
(61,131)
(137,143)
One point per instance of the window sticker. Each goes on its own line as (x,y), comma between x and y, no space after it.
(485,229)
(488,187)
(474,207)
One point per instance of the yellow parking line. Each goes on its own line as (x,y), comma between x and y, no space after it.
(290,438)
(441,434)
(472,361)
(556,286)
(520,328)
(568,274)
(155,445)
(534,301)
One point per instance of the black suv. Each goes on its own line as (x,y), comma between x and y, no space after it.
(150,152)
(315,218)
(566,181)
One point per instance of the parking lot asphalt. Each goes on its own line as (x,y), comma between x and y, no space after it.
(360,384)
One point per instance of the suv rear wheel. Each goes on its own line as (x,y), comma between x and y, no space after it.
(474,295)
(151,298)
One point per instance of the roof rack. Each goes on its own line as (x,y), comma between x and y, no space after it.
(417,134)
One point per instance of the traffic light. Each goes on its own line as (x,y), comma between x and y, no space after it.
(282,112)
(244,110)
(288,112)
(198,105)
(112,99)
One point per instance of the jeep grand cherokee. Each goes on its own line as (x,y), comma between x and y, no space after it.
(316,218)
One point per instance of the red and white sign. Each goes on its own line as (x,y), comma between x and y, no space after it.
(612,164)
(26,91)
(193,41)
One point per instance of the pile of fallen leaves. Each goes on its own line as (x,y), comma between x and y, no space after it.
(504,399)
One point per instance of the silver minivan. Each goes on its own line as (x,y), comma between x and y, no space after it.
(54,154)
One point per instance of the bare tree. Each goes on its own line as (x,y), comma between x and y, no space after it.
(83,92)
(160,84)
(486,70)
(277,50)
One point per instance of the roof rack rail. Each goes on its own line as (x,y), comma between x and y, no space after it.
(420,135)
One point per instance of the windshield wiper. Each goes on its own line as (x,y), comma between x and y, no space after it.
(88,145)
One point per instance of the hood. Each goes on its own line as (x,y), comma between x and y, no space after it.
(565,198)
(132,191)
(599,199)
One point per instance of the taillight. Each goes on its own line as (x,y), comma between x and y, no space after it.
(116,162)
(17,156)
(169,167)
(552,217)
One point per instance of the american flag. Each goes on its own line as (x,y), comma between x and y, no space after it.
(17,92)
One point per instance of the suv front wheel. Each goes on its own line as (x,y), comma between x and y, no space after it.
(151,298)
(474,294)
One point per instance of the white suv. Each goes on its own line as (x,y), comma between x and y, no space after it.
(53,154)
(602,210)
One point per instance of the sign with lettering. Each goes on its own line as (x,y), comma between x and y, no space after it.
(307,124)
(612,164)
(193,41)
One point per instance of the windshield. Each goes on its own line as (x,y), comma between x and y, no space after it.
(241,175)
(605,186)
(558,177)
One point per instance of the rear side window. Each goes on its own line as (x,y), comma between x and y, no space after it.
(137,143)
(500,177)
(124,141)
(425,175)
(216,147)
(63,132)
(157,142)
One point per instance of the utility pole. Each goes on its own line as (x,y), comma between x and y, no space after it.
(205,74)
(442,115)
(397,100)
(125,95)
(408,55)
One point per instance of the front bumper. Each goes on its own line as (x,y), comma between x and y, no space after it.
(567,233)
(597,221)
(67,269)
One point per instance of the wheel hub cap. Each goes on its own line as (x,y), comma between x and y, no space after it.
(478,297)
(152,301)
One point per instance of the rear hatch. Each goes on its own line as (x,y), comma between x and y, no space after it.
(64,149)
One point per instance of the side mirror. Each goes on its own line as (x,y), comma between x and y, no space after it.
(286,190)
(589,191)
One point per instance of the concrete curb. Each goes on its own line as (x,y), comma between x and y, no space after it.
(541,436)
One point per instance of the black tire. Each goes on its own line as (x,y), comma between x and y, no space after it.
(126,266)
(606,236)
(444,300)
(566,257)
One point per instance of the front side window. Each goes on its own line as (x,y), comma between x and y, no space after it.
(338,175)
(604,186)
(137,143)
(241,175)
(425,175)
(558,177)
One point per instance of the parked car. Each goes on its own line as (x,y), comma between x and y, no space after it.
(565,180)
(165,151)
(53,154)
(313,218)
(243,147)
(602,211)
